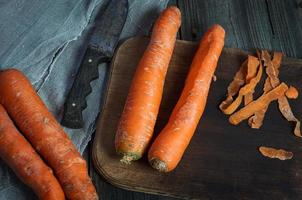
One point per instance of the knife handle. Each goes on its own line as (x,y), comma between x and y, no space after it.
(76,99)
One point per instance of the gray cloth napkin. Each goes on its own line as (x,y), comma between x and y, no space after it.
(46,40)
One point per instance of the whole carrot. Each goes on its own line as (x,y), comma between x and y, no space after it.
(46,135)
(141,108)
(168,148)
(25,162)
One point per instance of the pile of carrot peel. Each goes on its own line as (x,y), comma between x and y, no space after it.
(243,87)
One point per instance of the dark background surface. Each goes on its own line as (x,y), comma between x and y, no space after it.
(249,24)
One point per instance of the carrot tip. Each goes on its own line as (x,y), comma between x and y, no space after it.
(158,165)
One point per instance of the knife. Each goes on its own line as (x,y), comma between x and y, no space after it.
(101,45)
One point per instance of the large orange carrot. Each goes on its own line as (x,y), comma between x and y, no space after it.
(168,148)
(141,108)
(25,162)
(45,134)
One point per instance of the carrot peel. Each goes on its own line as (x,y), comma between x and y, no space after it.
(248,89)
(287,113)
(292,93)
(276,153)
(234,87)
(258,104)
(251,73)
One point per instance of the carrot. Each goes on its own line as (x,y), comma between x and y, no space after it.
(25,162)
(137,121)
(168,148)
(45,134)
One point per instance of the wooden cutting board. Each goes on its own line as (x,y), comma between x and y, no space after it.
(222,161)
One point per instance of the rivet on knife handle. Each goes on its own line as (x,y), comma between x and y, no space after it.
(76,99)
(101,45)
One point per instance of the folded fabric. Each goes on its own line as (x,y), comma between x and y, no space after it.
(46,40)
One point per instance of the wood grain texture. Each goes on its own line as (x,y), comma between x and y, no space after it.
(244,30)
(249,24)
(222,161)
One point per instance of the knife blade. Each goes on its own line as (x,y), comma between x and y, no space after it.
(102,43)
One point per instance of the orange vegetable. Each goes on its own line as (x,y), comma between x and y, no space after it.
(25,162)
(46,135)
(168,148)
(292,93)
(141,108)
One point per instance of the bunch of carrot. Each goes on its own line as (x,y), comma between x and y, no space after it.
(137,122)
(21,109)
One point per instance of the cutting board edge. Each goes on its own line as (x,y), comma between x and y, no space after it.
(133,187)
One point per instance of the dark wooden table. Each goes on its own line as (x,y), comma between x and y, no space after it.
(249,25)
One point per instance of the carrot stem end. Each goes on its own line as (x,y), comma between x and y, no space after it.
(159,165)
